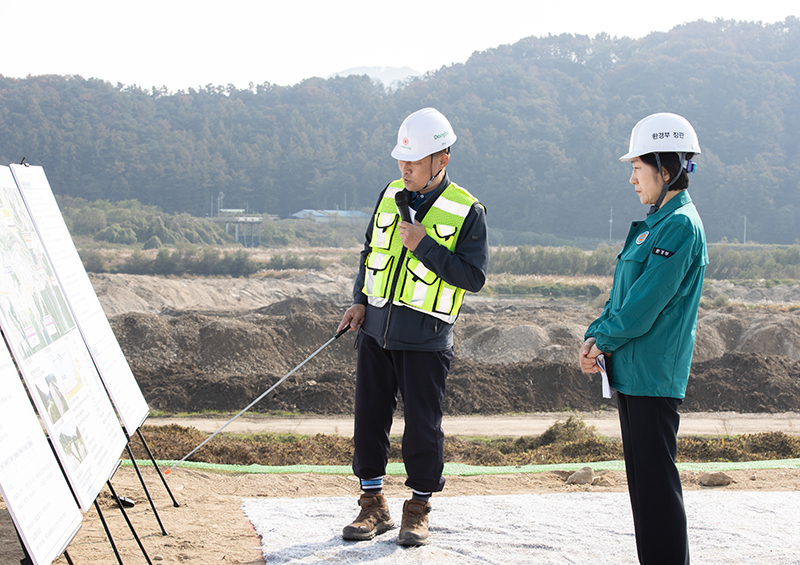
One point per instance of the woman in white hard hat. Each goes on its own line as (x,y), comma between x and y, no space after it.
(646,332)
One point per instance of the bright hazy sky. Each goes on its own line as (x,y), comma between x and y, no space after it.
(181,43)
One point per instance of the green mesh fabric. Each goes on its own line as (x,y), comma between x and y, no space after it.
(458,469)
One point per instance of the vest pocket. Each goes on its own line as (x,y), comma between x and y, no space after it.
(377,274)
(417,281)
(445,298)
(443,232)
(384,229)
(423,289)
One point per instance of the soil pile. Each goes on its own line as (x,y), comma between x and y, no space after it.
(511,356)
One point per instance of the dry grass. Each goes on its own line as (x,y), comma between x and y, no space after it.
(565,442)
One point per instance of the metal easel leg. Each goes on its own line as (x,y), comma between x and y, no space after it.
(144,486)
(125,514)
(160,474)
(108,532)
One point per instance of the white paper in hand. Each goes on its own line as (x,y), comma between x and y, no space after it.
(607,390)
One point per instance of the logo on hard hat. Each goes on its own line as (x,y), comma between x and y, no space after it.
(405,141)
(441,135)
(642,237)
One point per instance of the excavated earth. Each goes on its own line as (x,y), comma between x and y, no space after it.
(203,345)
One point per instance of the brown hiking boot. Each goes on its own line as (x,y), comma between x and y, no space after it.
(414,528)
(373,519)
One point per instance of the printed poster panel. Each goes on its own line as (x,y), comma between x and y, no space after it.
(33,487)
(74,282)
(51,354)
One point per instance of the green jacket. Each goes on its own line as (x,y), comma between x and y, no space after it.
(649,321)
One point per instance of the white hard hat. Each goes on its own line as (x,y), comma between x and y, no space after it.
(662,133)
(421,134)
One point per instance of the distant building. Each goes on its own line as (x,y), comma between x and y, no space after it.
(329,216)
(246,229)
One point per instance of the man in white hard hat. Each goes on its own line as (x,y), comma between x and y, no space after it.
(646,331)
(406,298)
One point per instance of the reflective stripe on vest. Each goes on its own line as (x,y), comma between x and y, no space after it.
(416,286)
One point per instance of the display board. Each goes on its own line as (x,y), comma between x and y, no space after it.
(33,487)
(73,280)
(51,355)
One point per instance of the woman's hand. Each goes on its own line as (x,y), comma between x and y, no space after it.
(588,356)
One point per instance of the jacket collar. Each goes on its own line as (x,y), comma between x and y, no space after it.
(680,199)
(432,195)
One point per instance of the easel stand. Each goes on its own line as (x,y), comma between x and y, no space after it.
(108,532)
(130,525)
(141,480)
(155,465)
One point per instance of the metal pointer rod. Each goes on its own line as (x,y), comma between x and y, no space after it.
(265,393)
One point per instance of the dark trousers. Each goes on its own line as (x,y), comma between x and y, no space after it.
(420,377)
(649,438)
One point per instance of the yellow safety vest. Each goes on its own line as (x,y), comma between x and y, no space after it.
(414,285)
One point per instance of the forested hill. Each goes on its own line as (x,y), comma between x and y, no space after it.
(540,124)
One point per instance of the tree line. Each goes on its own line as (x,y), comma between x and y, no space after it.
(540,123)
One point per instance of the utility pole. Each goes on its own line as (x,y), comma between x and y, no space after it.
(744,238)
(610,223)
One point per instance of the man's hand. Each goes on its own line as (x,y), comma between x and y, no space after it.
(411,235)
(353,316)
(588,356)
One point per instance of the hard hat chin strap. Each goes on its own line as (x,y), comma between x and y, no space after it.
(434,176)
(654,208)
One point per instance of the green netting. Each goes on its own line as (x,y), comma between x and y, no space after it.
(459,469)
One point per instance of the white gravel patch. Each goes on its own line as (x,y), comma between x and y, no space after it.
(579,528)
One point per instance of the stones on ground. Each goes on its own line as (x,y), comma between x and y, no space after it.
(718,479)
(583,477)
(604,481)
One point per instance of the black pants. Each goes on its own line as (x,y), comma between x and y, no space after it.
(649,438)
(420,378)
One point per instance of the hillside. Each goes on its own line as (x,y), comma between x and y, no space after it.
(540,124)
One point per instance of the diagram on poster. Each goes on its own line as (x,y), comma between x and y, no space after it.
(33,487)
(51,355)
(33,304)
(73,280)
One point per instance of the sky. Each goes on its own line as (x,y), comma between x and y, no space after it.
(181,44)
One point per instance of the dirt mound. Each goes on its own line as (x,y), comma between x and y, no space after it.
(139,293)
(745,382)
(195,362)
